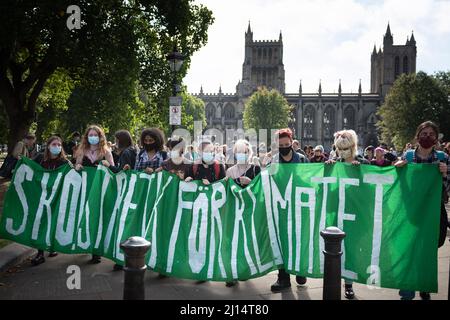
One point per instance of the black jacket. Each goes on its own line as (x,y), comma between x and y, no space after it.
(127,156)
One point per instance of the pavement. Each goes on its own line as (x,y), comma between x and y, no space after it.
(100,282)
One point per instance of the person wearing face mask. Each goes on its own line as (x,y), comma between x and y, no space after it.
(176,163)
(286,154)
(243,172)
(52,158)
(427,134)
(380,160)
(206,168)
(92,150)
(152,155)
(346,142)
(125,151)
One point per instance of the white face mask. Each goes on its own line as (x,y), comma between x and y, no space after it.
(176,157)
(208,157)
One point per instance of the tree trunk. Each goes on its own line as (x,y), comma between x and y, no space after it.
(19,124)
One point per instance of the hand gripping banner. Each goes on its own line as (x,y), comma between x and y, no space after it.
(222,232)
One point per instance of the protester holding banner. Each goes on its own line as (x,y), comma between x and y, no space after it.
(286,154)
(152,155)
(176,163)
(380,159)
(125,151)
(206,168)
(243,172)
(51,159)
(346,142)
(427,136)
(91,152)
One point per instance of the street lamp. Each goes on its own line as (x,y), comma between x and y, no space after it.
(175,60)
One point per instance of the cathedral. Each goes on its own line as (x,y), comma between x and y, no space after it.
(316,115)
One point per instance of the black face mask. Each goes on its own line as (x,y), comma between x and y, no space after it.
(149,146)
(285,151)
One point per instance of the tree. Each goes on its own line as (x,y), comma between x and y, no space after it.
(266,110)
(35,42)
(413,99)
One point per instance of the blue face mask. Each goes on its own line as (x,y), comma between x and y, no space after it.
(208,157)
(93,140)
(241,157)
(55,150)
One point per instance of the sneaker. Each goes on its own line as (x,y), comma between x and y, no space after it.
(300,280)
(117,267)
(349,293)
(95,259)
(38,259)
(280,285)
(230,283)
(52,254)
(425,296)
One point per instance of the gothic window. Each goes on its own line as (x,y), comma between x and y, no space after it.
(259,53)
(405,65)
(264,53)
(308,122)
(329,122)
(397,67)
(209,111)
(270,55)
(229,111)
(349,118)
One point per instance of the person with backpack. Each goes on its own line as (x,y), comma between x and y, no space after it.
(286,154)
(52,158)
(152,155)
(427,134)
(206,168)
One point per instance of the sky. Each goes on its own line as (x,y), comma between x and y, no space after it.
(324,40)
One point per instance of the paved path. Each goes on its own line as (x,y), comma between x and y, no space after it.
(48,281)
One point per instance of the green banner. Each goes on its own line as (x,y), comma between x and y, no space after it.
(222,232)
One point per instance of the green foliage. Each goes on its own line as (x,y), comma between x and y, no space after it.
(122,44)
(413,99)
(267,110)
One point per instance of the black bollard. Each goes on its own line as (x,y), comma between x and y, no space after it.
(135,249)
(332,266)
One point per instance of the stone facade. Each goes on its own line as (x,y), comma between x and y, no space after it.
(316,115)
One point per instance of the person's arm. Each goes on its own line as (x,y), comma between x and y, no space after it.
(109,158)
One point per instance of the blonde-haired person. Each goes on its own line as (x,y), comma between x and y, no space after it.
(93,150)
(244,171)
(346,142)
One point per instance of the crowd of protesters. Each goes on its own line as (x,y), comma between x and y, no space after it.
(210,162)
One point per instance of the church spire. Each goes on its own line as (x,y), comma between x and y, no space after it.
(220,89)
(412,41)
(374,49)
(359,89)
(388,38)
(300,90)
(249,30)
(249,34)
(340,87)
(320,87)
(280,38)
(201,89)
